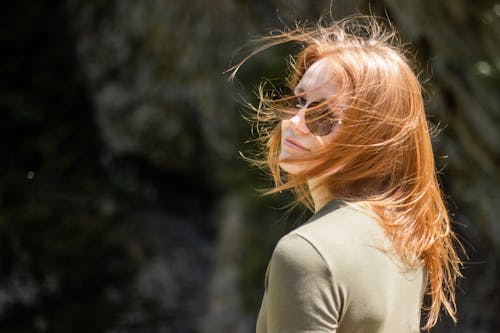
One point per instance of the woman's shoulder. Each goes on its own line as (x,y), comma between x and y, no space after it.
(298,255)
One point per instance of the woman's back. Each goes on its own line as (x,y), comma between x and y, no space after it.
(333,274)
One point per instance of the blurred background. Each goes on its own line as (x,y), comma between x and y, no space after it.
(124,205)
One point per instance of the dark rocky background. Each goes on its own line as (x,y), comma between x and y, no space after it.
(123,204)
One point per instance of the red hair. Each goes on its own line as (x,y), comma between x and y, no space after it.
(382,154)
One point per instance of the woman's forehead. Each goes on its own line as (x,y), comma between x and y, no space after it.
(319,78)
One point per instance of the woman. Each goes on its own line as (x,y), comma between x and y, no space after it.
(350,138)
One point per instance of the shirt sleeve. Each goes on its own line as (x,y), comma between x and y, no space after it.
(302,296)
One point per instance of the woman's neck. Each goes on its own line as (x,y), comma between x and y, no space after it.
(320,194)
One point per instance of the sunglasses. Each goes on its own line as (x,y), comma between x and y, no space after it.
(318,116)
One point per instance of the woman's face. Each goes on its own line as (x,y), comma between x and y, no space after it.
(297,141)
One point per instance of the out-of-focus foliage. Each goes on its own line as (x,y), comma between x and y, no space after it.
(64,257)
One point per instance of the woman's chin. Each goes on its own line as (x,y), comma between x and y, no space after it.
(292,168)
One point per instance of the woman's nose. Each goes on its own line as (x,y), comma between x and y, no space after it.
(298,121)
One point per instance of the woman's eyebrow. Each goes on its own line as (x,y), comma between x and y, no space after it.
(298,91)
(302,93)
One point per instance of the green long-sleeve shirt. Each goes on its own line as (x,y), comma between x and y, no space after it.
(331,275)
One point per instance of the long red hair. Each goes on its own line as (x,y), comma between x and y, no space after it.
(382,154)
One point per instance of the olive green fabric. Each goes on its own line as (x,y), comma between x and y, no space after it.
(330,275)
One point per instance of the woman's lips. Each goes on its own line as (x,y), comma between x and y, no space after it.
(294,145)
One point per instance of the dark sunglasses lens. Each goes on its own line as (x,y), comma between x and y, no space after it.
(320,127)
(319,121)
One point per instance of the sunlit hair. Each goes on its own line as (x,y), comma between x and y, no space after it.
(381,156)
